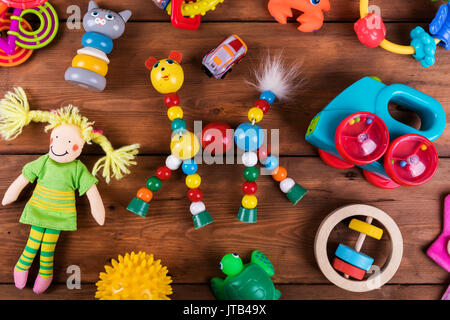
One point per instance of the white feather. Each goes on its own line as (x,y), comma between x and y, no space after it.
(276,76)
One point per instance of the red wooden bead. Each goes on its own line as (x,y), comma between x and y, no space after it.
(348,269)
(263,105)
(195,195)
(171,100)
(249,187)
(263,153)
(163,173)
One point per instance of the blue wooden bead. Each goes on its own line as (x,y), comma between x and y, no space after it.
(97,41)
(248,137)
(189,166)
(271,162)
(357,259)
(178,125)
(269,96)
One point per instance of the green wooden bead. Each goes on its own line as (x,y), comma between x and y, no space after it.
(154,183)
(251,173)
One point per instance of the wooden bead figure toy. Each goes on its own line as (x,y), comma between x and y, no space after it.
(186,14)
(371,31)
(58,174)
(440,249)
(21,39)
(273,80)
(90,65)
(167,78)
(310,20)
(350,262)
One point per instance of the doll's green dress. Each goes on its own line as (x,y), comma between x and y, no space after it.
(53,202)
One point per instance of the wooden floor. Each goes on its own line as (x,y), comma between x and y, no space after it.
(130,111)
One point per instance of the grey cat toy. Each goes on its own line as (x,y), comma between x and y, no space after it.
(90,65)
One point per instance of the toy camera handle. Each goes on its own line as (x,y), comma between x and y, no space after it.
(180,21)
(430,111)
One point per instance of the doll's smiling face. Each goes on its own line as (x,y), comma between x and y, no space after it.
(66,143)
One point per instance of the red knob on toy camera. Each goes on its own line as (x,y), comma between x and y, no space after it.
(411,160)
(362,138)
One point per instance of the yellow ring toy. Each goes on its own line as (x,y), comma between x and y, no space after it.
(90,63)
(371,32)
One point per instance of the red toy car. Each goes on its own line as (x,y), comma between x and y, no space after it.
(219,61)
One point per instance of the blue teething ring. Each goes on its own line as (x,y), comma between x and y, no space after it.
(357,259)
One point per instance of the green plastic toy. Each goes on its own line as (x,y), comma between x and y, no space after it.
(245,282)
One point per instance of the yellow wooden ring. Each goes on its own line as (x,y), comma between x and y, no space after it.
(90,63)
(386,44)
(366,228)
(376,280)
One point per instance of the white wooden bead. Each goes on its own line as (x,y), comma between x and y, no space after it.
(197,207)
(287,184)
(249,159)
(173,163)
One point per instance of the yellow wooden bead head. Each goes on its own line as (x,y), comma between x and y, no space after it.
(167,75)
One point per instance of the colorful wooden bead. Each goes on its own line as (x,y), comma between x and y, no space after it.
(348,269)
(185,145)
(85,79)
(366,228)
(249,201)
(249,159)
(286,185)
(144,194)
(189,167)
(193,181)
(97,41)
(197,207)
(263,153)
(90,63)
(175,113)
(163,173)
(255,114)
(94,53)
(154,183)
(217,138)
(270,163)
(171,100)
(195,195)
(248,137)
(172,162)
(263,105)
(249,187)
(269,96)
(279,173)
(357,259)
(178,125)
(251,173)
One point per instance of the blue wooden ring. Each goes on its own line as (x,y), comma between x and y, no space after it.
(357,259)
(97,41)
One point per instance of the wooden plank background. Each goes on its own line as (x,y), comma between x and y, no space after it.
(130,111)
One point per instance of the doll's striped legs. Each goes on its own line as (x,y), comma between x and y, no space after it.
(42,238)
(47,252)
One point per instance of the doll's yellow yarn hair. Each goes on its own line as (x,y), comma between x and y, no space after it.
(15,114)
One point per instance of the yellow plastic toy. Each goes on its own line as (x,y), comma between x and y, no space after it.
(371,31)
(134,277)
(166,75)
(187,15)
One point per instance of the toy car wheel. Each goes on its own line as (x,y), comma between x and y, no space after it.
(411,160)
(206,70)
(380,182)
(334,161)
(361,138)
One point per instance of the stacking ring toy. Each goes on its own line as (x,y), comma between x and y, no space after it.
(371,32)
(187,15)
(350,262)
(23,4)
(20,55)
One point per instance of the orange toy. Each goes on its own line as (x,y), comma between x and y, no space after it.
(312,17)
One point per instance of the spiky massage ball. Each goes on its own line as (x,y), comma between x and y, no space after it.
(134,277)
